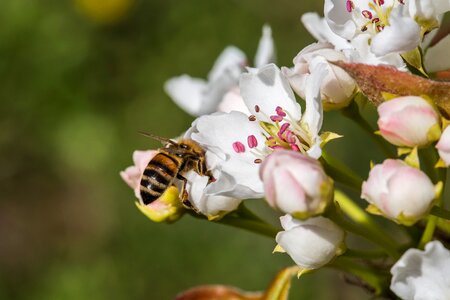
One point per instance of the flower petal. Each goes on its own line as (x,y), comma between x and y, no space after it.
(436,58)
(265,53)
(319,29)
(339,19)
(231,62)
(267,88)
(403,34)
(422,275)
(187,92)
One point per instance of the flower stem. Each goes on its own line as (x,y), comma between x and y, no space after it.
(364,254)
(359,216)
(352,113)
(432,220)
(377,281)
(340,172)
(366,232)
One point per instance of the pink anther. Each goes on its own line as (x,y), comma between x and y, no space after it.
(276,118)
(349,5)
(238,147)
(252,141)
(367,14)
(280,111)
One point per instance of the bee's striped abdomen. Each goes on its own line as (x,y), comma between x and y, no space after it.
(158,176)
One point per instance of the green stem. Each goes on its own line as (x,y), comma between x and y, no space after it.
(364,254)
(359,216)
(440,212)
(378,239)
(377,281)
(250,225)
(341,172)
(352,113)
(428,233)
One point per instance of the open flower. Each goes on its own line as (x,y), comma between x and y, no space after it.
(388,22)
(423,275)
(236,143)
(296,184)
(198,96)
(337,87)
(409,121)
(312,243)
(398,191)
(168,207)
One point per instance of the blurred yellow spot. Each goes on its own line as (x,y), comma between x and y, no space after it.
(104,11)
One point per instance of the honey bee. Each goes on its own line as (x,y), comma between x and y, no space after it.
(170,163)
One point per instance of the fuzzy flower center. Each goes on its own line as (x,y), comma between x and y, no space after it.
(375,18)
(282,133)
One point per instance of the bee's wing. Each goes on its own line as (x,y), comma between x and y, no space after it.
(164,141)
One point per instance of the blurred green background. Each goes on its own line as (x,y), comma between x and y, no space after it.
(79,79)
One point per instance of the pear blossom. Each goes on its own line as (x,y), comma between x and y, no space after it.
(443,146)
(237,143)
(337,87)
(198,96)
(398,191)
(296,184)
(355,50)
(409,121)
(423,275)
(388,22)
(312,243)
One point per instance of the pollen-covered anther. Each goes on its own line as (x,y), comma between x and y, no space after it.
(276,118)
(252,141)
(257,109)
(252,118)
(378,2)
(280,111)
(364,28)
(380,28)
(257,161)
(349,5)
(238,147)
(375,20)
(367,14)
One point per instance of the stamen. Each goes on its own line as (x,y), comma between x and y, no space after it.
(375,20)
(284,127)
(280,111)
(290,137)
(276,118)
(238,147)
(367,14)
(295,147)
(252,118)
(257,109)
(380,28)
(349,6)
(252,141)
(364,28)
(257,161)
(378,2)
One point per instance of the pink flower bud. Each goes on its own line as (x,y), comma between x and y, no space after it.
(312,243)
(400,192)
(295,183)
(409,121)
(443,146)
(132,175)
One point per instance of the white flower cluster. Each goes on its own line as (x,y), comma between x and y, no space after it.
(259,143)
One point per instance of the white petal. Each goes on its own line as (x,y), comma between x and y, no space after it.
(403,34)
(209,205)
(265,53)
(339,19)
(187,92)
(231,61)
(319,29)
(423,275)
(313,114)
(268,88)
(428,9)
(436,58)
(232,101)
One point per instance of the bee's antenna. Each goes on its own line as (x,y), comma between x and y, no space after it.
(158,138)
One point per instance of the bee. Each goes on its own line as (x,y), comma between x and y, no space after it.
(170,163)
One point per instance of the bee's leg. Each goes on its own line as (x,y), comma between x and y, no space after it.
(184,196)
